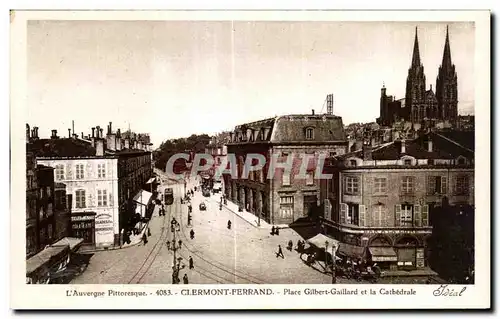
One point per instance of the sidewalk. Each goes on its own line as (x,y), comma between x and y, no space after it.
(247,216)
(134,239)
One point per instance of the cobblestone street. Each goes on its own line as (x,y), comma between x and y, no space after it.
(242,254)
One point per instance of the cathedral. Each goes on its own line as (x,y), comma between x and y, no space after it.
(423,107)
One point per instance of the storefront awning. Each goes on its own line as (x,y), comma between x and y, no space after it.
(143,197)
(72,242)
(320,241)
(383,254)
(349,250)
(151,180)
(46,257)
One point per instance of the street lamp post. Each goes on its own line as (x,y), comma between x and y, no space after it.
(188,166)
(175,268)
(334,266)
(326,256)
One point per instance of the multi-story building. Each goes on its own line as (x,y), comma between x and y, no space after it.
(380,201)
(422,106)
(103,175)
(46,222)
(31,206)
(283,199)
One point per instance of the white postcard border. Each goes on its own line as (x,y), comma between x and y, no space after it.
(54,296)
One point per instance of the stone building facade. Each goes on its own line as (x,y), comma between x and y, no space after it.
(283,199)
(102,175)
(380,202)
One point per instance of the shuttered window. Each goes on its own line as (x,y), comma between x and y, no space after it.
(362,215)
(425,216)
(417,215)
(397,215)
(343,213)
(437,185)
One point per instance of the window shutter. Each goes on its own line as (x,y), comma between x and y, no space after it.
(69,172)
(416,216)
(444,185)
(397,221)
(430,185)
(87,170)
(425,215)
(362,215)
(91,199)
(343,213)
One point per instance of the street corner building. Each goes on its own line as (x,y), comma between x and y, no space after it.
(283,199)
(384,202)
(103,176)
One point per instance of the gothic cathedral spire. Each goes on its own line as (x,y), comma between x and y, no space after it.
(415,87)
(415,61)
(446,85)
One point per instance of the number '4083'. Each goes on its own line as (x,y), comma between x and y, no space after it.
(163,292)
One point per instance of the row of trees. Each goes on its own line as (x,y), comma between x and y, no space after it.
(194,143)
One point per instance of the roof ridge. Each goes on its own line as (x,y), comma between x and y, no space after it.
(454,142)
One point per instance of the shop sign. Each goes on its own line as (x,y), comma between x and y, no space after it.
(82,218)
(384,258)
(104,224)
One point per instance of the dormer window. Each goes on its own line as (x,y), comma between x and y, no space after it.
(309,133)
(461,161)
(352,163)
(407,162)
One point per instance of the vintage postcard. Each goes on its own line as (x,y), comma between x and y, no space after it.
(250,160)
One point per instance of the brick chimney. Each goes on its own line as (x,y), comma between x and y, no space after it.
(69,133)
(110,130)
(98,131)
(429,144)
(54,134)
(82,136)
(127,143)
(111,141)
(135,144)
(403,146)
(118,142)
(28,133)
(312,111)
(99,147)
(367,152)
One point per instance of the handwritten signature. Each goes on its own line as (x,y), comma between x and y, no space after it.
(444,291)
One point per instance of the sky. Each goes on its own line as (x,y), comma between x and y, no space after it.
(176,78)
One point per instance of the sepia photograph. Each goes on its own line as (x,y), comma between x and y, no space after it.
(237,153)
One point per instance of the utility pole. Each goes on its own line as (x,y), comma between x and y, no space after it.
(334,266)
(175,269)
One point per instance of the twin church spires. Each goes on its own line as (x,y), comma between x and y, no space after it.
(421,105)
(424,104)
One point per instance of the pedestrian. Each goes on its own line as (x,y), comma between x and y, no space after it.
(290,245)
(191,233)
(144,239)
(149,232)
(272,230)
(180,244)
(185,279)
(168,244)
(191,263)
(280,252)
